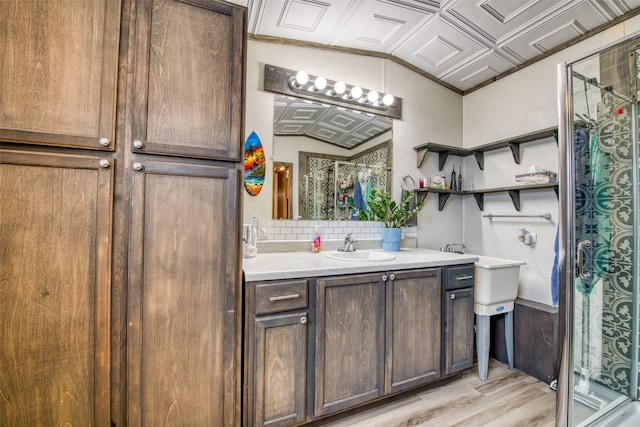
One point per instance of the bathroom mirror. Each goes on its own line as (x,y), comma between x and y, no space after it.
(335,154)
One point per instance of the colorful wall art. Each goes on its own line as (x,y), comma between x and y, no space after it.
(254,164)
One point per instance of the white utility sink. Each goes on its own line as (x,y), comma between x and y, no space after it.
(496,284)
(372,256)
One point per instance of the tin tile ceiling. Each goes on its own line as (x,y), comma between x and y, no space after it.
(338,126)
(462,44)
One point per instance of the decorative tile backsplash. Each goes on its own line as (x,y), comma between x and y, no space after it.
(329,230)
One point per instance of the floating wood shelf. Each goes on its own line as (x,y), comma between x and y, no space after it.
(445,151)
(514,193)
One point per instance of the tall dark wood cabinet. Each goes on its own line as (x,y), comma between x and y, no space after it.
(184,249)
(58,72)
(120,208)
(55,244)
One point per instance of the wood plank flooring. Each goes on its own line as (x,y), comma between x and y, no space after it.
(506,398)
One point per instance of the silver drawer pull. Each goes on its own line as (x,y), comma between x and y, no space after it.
(464,277)
(284,297)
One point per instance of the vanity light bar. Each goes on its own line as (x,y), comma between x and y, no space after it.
(318,88)
(303,82)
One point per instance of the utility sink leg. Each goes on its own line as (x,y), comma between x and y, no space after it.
(483,340)
(508,336)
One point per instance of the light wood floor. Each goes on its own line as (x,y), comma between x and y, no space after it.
(505,399)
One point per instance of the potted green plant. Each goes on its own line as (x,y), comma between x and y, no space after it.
(393,215)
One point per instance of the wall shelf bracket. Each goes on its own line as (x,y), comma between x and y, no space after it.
(421,155)
(442,159)
(479,200)
(515,198)
(479,155)
(442,200)
(515,151)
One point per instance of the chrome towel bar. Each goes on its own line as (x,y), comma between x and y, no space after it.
(546,216)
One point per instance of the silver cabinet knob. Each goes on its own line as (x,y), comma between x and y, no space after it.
(137,144)
(453,296)
(104,141)
(137,166)
(384,278)
(303,319)
(104,163)
(392,276)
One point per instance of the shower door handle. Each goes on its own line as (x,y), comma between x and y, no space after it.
(581,272)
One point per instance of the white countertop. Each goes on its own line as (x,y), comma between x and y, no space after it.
(295,265)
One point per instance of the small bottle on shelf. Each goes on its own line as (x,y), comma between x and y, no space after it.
(454,181)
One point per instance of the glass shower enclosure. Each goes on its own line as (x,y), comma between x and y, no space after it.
(598,238)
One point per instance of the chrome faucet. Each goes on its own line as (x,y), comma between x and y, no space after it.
(348,244)
(449,247)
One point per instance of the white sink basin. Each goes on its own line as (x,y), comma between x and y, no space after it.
(360,256)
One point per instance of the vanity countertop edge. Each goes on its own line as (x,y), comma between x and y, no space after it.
(296,265)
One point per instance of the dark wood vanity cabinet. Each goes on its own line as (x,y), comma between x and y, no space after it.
(458,319)
(349,365)
(320,346)
(276,353)
(413,328)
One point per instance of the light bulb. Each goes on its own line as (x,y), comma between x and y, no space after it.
(320,83)
(302,77)
(339,88)
(387,99)
(356,92)
(372,96)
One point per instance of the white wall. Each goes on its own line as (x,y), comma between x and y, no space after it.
(523,102)
(430,113)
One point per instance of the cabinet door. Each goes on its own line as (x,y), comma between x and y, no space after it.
(349,368)
(55,285)
(184,278)
(58,72)
(280,370)
(458,330)
(189,78)
(413,332)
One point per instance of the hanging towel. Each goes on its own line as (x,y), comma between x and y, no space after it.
(367,196)
(555,274)
(357,197)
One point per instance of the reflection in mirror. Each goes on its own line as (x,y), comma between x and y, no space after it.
(340,155)
(282,189)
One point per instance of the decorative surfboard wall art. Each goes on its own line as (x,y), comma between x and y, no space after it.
(254,165)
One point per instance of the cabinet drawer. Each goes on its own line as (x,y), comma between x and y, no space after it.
(281,296)
(459,277)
